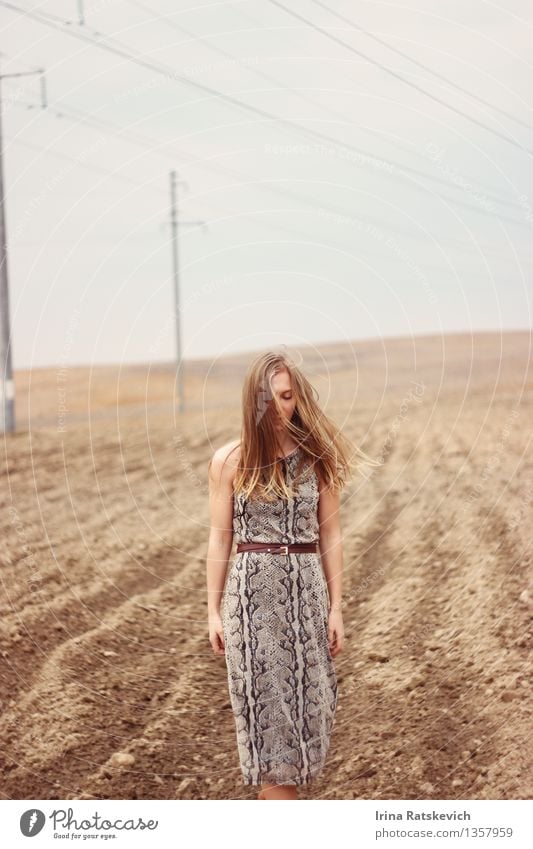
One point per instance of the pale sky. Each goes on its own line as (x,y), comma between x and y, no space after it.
(353,203)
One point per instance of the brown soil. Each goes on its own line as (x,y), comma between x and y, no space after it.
(108,685)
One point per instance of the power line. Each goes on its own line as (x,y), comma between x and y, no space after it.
(146,141)
(220,50)
(424,67)
(96,168)
(400,77)
(178,28)
(346,218)
(229,98)
(303,237)
(7,384)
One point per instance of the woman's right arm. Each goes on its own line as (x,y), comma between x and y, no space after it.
(220,541)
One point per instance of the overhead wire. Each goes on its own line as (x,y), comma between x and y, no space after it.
(487,192)
(42,18)
(401,78)
(99,169)
(144,141)
(340,214)
(424,67)
(295,197)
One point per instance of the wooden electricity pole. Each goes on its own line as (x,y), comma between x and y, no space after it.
(7,385)
(175,275)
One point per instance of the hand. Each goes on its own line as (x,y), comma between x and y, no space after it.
(335,632)
(216,633)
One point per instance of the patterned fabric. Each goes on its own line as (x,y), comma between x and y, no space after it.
(282,682)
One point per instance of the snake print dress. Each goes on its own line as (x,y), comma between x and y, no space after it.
(282,682)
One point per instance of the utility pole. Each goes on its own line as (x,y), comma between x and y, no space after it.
(175,273)
(7,385)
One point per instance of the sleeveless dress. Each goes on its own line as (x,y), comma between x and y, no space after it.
(281,677)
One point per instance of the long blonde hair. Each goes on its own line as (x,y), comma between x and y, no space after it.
(323,446)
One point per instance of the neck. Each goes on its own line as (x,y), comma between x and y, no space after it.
(286,447)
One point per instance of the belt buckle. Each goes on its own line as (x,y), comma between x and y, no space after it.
(284,549)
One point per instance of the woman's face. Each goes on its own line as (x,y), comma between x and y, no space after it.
(282,388)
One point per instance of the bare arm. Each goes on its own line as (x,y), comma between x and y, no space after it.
(331,543)
(331,553)
(221,528)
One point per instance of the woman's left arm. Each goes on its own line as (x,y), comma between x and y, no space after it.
(331,553)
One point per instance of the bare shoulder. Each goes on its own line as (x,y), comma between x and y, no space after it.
(223,463)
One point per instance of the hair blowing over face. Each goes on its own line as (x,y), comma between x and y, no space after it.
(323,446)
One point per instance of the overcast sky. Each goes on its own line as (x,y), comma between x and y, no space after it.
(380,184)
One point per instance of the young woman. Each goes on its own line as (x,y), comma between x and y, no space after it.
(277,491)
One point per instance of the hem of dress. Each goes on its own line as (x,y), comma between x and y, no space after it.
(266,779)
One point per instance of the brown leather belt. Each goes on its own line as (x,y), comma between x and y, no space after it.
(280,547)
